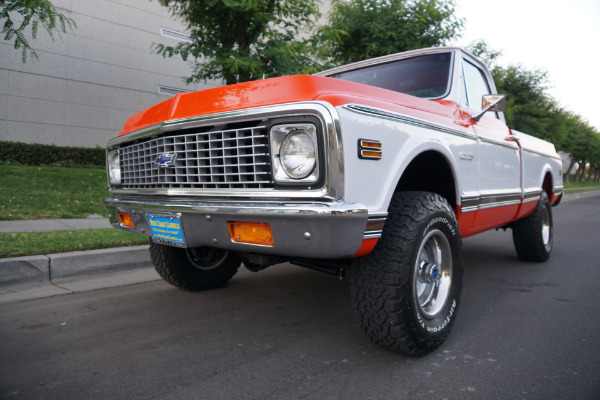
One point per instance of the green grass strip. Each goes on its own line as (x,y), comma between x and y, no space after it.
(18,244)
(51,192)
(578,187)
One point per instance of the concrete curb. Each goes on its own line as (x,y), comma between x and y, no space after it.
(67,267)
(55,268)
(47,225)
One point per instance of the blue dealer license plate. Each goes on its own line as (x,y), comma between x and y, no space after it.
(166,229)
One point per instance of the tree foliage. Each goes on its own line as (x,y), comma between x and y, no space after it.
(20,14)
(530,109)
(242,40)
(362,29)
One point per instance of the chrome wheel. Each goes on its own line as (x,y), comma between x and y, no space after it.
(432,274)
(533,235)
(545,226)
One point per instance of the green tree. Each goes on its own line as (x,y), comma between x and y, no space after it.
(530,109)
(20,14)
(243,40)
(362,29)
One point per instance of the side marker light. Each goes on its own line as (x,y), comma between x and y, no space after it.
(369,149)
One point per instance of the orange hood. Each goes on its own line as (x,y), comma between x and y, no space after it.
(288,89)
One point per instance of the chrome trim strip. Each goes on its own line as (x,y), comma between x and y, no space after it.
(236,194)
(474,203)
(532,195)
(558,190)
(499,204)
(241,207)
(374,227)
(377,112)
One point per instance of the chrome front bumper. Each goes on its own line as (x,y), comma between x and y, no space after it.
(308,230)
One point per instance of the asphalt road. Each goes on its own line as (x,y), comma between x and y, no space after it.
(524,331)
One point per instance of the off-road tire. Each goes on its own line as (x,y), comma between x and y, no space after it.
(384,283)
(194,269)
(533,236)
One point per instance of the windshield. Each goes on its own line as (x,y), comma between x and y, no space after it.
(423,76)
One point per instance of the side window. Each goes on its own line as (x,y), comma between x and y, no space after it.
(476,85)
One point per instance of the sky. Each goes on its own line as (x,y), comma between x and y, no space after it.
(558,36)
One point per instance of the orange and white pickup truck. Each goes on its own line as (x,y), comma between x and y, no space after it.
(380,167)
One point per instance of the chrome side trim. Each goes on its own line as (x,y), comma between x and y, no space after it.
(474,203)
(374,227)
(533,195)
(377,112)
(559,190)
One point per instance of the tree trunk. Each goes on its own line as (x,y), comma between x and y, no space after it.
(580,171)
(571,165)
(590,173)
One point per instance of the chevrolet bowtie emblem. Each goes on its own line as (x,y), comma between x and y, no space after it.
(166,160)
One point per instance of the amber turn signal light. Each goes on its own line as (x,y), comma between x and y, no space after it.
(125,220)
(251,232)
(369,149)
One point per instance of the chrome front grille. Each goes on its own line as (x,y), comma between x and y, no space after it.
(225,159)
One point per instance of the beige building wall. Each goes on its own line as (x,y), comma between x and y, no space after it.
(81,89)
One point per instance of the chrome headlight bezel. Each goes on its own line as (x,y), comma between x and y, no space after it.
(113,167)
(307,173)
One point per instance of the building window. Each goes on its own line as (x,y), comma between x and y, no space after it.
(171,91)
(170,33)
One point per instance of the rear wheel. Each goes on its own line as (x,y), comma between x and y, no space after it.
(406,292)
(533,236)
(194,269)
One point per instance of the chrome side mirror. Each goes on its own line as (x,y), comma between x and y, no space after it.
(491,102)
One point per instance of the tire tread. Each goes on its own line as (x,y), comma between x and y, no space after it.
(380,289)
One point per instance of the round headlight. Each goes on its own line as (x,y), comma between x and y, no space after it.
(298,154)
(114,168)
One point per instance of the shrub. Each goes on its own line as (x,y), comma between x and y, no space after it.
(43,154)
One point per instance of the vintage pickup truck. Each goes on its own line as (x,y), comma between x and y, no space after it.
(379,167)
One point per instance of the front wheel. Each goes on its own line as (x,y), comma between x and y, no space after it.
(533,236)
(194,269)
(406,292)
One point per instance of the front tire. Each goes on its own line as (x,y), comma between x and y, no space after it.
(406,292)
(194,269)
(533,236)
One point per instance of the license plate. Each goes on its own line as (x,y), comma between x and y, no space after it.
(166,229)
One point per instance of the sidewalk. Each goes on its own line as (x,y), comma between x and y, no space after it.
(46,225)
